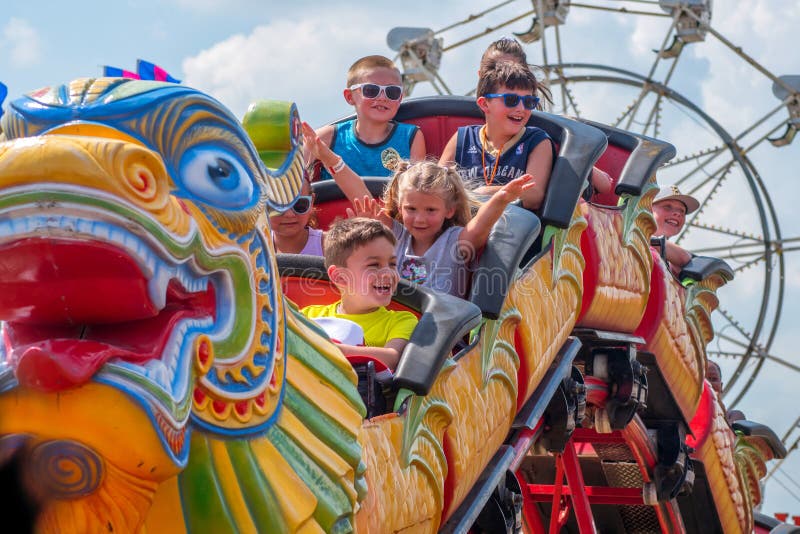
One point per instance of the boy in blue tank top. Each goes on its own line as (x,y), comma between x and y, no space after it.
(369,144)
(504,148)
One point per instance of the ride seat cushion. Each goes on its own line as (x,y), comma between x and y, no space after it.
(612,161)
(309,291)
(438,129)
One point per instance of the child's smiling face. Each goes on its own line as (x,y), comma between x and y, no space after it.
(369,278)
(670,216)
(424,214)
(380,108)
(506,120)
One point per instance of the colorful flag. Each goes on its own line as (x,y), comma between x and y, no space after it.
(151,71)
(119,73)
(3,93)
(144,71)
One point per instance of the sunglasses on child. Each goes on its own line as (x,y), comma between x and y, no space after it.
(301,205)
(372,90)
(512,99)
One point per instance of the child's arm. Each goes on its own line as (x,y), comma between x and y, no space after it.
(540,163)
(476,232)
(676,254)
(449,151)
(418,150)
(601,180)
(389,354)
(349,182)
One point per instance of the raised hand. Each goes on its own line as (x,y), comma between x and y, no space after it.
(317,149)
(514,189)
(365,207)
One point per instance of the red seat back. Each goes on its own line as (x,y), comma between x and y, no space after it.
(329,211)
(438,129)
(309,291)
(612,161)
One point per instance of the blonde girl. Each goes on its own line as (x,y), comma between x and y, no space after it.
(430,210)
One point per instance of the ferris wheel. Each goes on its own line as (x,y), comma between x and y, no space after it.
(659,97)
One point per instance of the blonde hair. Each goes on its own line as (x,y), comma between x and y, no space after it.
(429,177)
(367,64)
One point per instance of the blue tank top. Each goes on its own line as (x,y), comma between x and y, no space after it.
(367,159)
(513,161)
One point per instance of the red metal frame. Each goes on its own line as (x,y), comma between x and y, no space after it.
(574,495)
(565,498)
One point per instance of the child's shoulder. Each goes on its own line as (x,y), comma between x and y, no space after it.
(532,136)
(320,310)
(397,315)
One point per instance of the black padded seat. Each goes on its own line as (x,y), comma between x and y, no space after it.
(646,156)
(509,241)
(700,267)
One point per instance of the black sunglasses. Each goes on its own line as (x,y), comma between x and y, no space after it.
(372,90)
(512,99)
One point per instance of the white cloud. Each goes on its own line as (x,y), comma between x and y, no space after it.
(304,60)
(23,42)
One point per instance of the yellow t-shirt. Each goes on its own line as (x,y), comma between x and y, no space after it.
(379,326)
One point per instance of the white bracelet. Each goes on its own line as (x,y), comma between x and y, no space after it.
(338,167)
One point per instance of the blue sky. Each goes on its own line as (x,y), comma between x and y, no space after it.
(243,50)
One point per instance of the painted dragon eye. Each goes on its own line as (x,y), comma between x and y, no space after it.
(216,176)
(222,173)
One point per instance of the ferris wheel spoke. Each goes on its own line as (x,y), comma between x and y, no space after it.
(619,10)
(762,354)
(722,175)
(711,176)
(627,112)
(751,252)
(715,150)
(738,327)
(646,86)
(570,97)
(726,231)
(655,112)
(747,265)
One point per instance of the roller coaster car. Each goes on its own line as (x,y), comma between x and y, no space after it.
(248,419)
(511,253)
(628,466)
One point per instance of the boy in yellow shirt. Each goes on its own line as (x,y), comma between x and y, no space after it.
(361,263)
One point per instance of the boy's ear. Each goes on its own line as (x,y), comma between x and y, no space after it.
(336,275)
(348,97)
(483,103)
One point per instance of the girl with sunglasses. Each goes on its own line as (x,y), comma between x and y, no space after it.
(507,49)
(504,148)
(370,144)
(293,231)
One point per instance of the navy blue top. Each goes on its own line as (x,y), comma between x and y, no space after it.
(513,162)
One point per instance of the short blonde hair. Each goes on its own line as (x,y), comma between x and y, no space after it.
(346,235)
(432,178)
(367,64)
